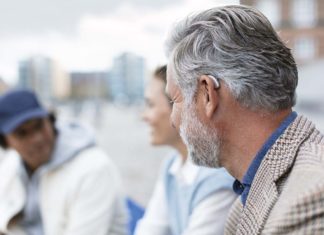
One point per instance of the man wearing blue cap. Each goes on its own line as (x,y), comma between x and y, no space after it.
(57,181)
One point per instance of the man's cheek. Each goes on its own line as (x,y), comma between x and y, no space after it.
(172,120)
(177,119)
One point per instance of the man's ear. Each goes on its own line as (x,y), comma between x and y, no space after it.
(210,95)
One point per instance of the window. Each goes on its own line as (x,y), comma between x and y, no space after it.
(304,48)
(304,13)
(271,9)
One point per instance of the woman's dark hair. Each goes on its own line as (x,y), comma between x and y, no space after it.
(160,72)
(52,119)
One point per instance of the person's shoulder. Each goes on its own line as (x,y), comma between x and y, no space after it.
(91,164)
(300,204)
(211,180)
(215,174)
(307,172)
(171,159)
(9,159)
(92,158)
(95,153)
(311,153)
(309,157)
(9,167)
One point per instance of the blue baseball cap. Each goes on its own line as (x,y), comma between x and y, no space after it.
(17,107)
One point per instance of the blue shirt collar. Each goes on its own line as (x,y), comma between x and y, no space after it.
(243,188)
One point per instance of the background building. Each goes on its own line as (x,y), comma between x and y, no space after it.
(45,77)
(300,23)
(127,78)
(89,85)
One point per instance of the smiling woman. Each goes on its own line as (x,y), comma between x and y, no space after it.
(158,111)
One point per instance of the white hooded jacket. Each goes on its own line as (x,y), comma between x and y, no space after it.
(78,190)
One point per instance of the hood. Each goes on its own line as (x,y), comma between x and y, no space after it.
(72,138)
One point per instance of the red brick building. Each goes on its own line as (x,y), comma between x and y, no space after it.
(300,23)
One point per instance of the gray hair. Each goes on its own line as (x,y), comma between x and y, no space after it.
(238,45)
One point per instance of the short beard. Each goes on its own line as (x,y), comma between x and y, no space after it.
(203,143)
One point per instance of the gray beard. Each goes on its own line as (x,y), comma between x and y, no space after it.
(202,142)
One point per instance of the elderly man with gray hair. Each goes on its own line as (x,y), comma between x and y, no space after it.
(232,82)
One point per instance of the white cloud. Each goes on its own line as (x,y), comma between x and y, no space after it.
(99,38)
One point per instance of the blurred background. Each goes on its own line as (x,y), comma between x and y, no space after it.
(90,60)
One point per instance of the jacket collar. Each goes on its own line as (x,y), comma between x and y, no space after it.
(185,172)
(278,161)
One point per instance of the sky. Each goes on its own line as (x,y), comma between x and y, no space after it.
(85,35)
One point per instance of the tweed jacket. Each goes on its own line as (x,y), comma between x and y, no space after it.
(287,193)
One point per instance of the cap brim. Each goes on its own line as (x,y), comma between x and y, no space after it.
(21,118)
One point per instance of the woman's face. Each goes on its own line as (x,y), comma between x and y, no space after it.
(157,114)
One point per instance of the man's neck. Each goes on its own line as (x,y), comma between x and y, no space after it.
(246,137)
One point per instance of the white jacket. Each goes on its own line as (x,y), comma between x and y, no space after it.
(80,197)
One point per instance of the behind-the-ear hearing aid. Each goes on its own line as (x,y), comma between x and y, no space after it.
(216,82)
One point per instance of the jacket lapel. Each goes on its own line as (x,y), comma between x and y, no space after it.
(264,189)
